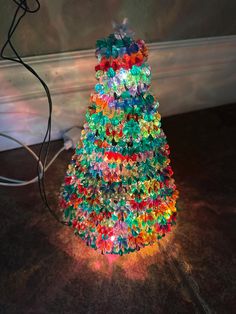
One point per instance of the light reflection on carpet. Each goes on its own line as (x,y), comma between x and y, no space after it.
(134,265)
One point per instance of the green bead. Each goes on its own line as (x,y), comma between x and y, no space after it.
(101,43)
(115,121)
(111,73)
(149,99)
(135,70)
(125,95)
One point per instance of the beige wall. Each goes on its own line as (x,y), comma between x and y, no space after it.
(67,25)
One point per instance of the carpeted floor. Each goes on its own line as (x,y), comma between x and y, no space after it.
(44,268)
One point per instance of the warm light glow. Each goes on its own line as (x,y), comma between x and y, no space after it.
(134,266)
(119,194)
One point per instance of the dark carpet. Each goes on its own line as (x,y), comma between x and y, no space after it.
(44,268)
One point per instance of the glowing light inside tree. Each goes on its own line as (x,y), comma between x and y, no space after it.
(119,194)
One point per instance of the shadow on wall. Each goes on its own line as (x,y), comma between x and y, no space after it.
(83,24)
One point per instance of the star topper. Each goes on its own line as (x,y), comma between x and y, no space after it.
(122,30)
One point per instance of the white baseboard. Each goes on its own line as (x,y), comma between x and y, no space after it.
(187,75)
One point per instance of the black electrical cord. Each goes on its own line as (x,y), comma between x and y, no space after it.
(22,5)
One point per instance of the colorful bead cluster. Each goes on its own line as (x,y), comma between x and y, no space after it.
(119,194)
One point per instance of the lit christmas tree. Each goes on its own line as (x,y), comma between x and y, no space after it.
(119,194)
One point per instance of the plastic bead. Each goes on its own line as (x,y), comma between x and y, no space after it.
(119,194)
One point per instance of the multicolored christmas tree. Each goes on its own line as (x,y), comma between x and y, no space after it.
(119,194)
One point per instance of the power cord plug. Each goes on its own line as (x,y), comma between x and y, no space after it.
(72,137)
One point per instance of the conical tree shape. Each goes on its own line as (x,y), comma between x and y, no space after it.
(119,194)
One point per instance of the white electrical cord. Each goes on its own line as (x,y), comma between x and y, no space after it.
(15,182)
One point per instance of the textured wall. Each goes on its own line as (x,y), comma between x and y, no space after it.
(65,25)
